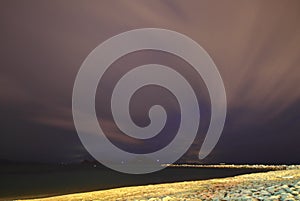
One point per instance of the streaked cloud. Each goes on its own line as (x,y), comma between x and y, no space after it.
(255,45)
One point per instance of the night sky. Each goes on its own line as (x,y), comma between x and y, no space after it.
(254,44)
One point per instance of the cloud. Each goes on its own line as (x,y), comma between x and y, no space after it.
(255,46)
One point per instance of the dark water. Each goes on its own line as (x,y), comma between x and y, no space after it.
(32,181)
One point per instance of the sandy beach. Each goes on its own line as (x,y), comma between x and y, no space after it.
(272,185)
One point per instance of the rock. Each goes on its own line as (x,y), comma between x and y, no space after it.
(264,193)
(246,198)
(246,192)
(273,198)
(253,190)
(288,190)
(284,186)
(168,198)
(289,199)
(286,196)
(153,199)
(295,192)
(280,191)
(271,189)
(287,177)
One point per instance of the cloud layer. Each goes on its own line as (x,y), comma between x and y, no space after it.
(254,44)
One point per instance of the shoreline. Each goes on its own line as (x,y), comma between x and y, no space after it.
(271,185)
(234,166)
(63,180)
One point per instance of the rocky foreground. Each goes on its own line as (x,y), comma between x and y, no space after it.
(273,185)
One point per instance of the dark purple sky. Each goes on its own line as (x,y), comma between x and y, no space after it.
(255,45)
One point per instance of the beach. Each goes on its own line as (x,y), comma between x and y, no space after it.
(272,185)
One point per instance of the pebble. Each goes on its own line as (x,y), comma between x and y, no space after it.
(274,197)
(288,190)
(246,192)
(246,198)
(152,199)
(295,192)
(289,199)
(168,198)
(266,192)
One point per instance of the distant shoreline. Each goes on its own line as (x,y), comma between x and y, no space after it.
(256,166)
